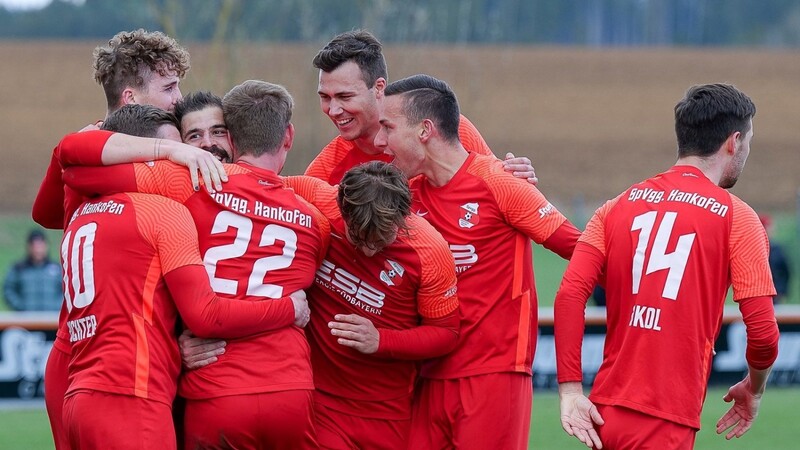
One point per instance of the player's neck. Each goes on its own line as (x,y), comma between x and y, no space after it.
(444,161)
(266,161)
(712,167)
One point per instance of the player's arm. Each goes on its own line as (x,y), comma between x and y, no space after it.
(48,207)
(753,291)
(317,192)
(84,149)
(432,338)
(437,305)
(526,209)
(578,414)
(208,315)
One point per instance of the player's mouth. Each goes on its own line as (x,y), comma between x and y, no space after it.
(344,122)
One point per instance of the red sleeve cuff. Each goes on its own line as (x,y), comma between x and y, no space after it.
(762,331)
(83,149)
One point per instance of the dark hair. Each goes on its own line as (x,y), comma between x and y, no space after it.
(707,115)
(196,101)
(358,46)
(257,114)
(131,56)
(374,199)
(139,120)
(36,234)
(425,97)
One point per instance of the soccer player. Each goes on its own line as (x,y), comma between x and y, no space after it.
(352,79)
(121,316)
(670,247)
(384,299)
(258,240)
(488,217)
(203,125)
(141,67)
(138,67)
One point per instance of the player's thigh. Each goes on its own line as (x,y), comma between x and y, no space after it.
(434,411)
(340,431)
(626,429)
(500,420)
(55,387)
(273,420)
(95,419)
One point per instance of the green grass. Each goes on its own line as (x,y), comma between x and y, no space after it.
(773,430)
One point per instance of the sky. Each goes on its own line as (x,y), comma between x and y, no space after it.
(16,5)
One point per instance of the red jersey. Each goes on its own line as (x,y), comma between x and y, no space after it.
(341,155)
(393,289)
(121,323)
(258,241)
(670,247)
(55,203)
(488,217)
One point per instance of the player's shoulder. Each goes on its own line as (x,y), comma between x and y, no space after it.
(166,210)
(337,146)
(742,211)
(421,234)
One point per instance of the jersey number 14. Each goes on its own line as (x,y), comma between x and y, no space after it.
(658,258)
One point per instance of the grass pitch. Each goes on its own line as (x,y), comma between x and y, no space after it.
(774,429)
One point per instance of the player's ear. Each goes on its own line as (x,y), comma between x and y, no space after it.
(731,143)
(128,97)
(426,130)
(380,85)
(288,137)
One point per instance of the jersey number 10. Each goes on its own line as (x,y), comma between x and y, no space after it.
(77,260)
(658,258)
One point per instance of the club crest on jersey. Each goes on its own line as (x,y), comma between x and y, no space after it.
(393,273)
(469,215)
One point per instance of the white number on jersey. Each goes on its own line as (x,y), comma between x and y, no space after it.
(659,259)
(244,229)
(77,260)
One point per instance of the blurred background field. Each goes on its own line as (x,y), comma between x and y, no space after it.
(586,89)
(775,429)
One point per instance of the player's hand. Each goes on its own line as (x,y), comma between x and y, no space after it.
(92,127)
(355,332)
(579,416)
(520,167)
(197,161)
(302,314)
(743,412)
(198,352)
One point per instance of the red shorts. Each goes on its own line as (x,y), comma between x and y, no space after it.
(341,431)
(479,412)
(99,420)
(273,420)
(625,428)
(56,381)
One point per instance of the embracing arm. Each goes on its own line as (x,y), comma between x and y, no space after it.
(48,207)
(208,315)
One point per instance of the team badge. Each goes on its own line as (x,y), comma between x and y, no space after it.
(393,273)
(469,215)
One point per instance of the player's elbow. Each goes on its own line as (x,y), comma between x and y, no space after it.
(762,347)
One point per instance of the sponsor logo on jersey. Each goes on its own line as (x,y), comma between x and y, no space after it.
(393,273)
(354,290)
(421,213)
(464,255)
(469,215)
(546,210)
